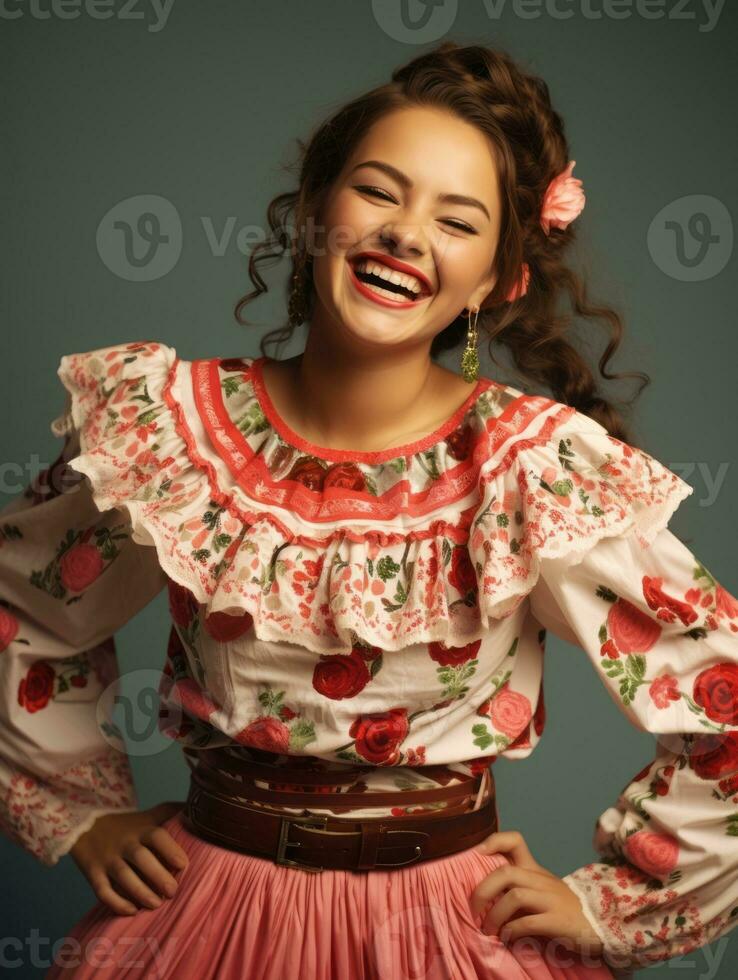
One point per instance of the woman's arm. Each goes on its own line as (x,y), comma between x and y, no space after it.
(70,576)
(662,634)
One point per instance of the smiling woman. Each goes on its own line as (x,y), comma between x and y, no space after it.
(461,193)
(363,553)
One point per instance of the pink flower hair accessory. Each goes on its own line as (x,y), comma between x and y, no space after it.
(562,203)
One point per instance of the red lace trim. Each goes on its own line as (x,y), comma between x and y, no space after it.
(457,532)
(251,473)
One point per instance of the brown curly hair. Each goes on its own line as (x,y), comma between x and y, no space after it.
(513,109)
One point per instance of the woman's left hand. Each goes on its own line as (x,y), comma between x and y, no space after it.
(536,902)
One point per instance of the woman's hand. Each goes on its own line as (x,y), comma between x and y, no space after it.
(535,902)
(122,854)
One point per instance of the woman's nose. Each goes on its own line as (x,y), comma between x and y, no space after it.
(408,234)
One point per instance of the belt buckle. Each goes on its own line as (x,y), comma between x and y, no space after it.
(319,823)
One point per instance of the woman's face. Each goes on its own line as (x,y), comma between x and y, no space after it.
(407,205)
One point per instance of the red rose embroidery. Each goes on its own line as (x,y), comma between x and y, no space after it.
(632,630)
(308,472)
(224,627)
(716,690)
(341,675)
(715,756)
(188,694)
(80,566)
(658,599)
(8,628)
(509,711)
(523,739)
(344,475)
(379,735)
(459,442)
(656,854)
(461,574)
(182,604)
(729,786)
(232,364)
(608,649)
(453,656)
(37,686)
(266,733)
(664,690)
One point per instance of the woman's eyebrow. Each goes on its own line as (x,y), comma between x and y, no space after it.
(403,179)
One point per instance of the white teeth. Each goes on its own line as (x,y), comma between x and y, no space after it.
(384,292)
(391,275)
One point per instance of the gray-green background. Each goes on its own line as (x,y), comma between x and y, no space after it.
(202,108)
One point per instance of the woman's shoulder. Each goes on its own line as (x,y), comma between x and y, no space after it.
(115,360)
(108,385)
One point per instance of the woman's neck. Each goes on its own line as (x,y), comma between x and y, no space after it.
(365,405)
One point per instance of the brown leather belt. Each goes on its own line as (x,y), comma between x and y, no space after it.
(324,842)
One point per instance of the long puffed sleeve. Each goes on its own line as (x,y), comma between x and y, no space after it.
(662,634)
(70,576)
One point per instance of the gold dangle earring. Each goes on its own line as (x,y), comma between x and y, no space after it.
(470,357)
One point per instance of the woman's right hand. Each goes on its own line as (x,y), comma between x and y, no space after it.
(129,855)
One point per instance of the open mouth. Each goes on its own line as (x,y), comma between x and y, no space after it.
(386,284)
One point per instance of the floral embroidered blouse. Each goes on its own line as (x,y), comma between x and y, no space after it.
(385,611)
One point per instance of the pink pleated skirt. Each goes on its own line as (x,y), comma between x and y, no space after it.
(239,917)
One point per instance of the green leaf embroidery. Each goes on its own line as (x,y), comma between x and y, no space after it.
(399,465)
(387,568)
(301,733)
(446,551)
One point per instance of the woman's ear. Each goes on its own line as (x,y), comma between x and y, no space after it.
(481,294)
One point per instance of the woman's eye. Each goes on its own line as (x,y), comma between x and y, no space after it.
(378,192)
(461,226)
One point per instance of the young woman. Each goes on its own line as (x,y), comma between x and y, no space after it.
(363,552)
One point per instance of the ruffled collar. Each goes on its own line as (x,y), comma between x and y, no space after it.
(392,491)
(431,542)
